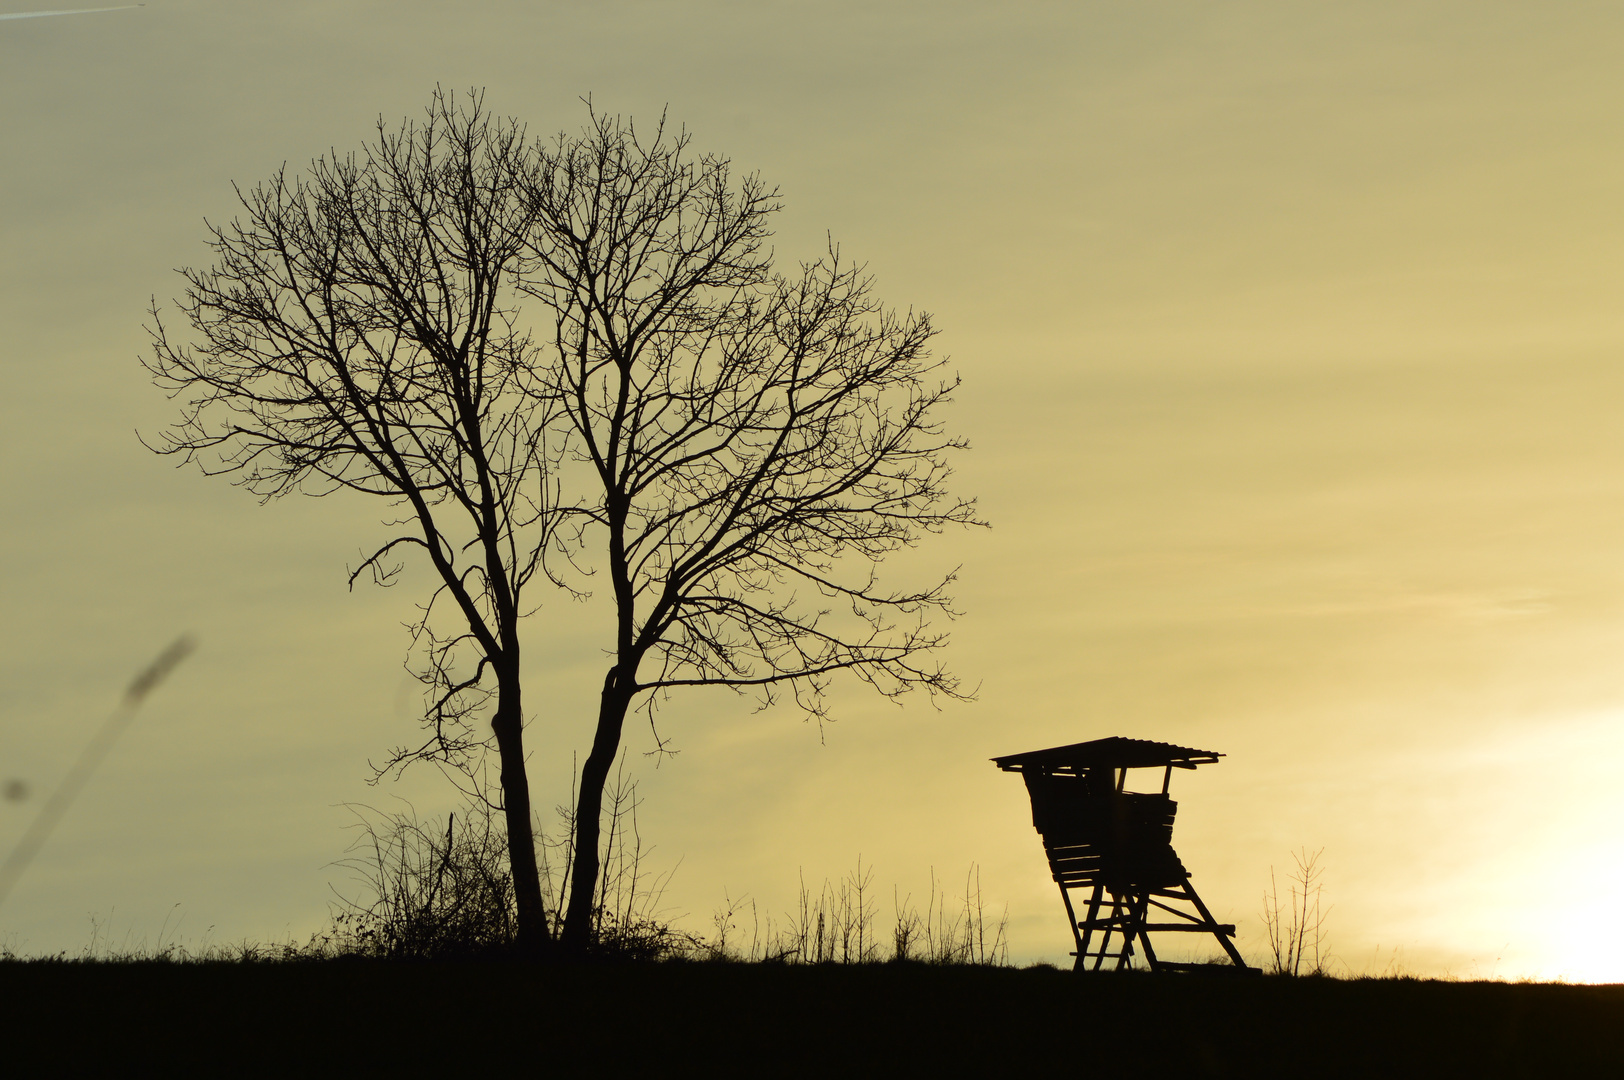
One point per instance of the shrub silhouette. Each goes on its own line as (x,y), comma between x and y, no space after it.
(428,895)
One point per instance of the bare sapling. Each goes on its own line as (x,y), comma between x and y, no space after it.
(1295,924)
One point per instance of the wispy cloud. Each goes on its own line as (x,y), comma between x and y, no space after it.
(65,11)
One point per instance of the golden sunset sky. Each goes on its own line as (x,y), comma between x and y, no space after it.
(1293,366)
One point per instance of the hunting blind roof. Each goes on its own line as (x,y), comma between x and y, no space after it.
(1113,753)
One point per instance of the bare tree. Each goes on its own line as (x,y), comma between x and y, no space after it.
(1295,927)
(755,443)
(357,333)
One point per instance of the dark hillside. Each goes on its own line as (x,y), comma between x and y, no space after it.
(736,1019)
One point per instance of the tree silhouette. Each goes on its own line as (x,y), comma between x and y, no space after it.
(735,449)
(754,444)
(357,333)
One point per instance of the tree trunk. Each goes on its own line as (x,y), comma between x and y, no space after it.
(589,808)
(508,726)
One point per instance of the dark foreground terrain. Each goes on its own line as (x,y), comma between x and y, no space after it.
(736,1019)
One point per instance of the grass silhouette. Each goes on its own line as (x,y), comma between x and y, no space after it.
(789,1019)
(435,985)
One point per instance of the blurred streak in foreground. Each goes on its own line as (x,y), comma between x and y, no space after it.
(57,805)
(66,11)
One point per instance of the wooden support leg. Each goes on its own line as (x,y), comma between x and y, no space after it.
(1150,953)
(1141,910)
(1115,923)
(1123,911)
(1132,921)
(1080,938)
(1088,930)
(1223,939)
(1105,935)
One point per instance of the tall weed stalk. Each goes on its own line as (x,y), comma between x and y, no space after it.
(836,925)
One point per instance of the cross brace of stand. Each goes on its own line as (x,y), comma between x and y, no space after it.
(1121,914)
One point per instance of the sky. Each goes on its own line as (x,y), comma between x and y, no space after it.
(1291,361)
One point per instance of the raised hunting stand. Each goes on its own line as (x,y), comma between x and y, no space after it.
(1117,846)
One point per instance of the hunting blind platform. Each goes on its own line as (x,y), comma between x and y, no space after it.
(1116,847)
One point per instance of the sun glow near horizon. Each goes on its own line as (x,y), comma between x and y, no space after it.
(1571,904)
(1514,862)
